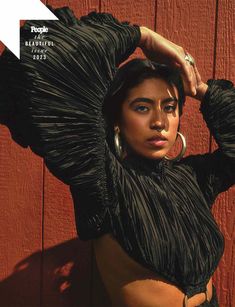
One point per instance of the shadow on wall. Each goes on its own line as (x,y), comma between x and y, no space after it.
(62,276)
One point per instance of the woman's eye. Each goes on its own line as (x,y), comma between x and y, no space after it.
(170,108)
(141,108)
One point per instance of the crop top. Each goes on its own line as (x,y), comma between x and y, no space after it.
(158,210)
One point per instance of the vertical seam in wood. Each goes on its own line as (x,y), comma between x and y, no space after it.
(215,37)
(99,6)
(214,56)
(155,16)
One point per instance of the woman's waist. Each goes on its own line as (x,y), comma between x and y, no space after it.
(156,293)
(130,284)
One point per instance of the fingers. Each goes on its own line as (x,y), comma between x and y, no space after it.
(190,82)
(188,72)
(193,84)
(190,79)
(198,76)
(201,86)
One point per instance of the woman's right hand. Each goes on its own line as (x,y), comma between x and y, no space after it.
(159,49)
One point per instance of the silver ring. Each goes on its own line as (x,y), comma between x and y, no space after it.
(189,58)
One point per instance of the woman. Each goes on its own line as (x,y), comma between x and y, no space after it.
(147,100)
(149,217)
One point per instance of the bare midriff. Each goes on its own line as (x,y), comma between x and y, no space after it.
(129,284)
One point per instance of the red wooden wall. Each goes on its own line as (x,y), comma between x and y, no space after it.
(42,263)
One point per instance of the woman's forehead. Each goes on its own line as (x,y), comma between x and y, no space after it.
(154,88)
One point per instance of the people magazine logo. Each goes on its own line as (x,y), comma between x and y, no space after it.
(11,12)
(39,43)
(39,30)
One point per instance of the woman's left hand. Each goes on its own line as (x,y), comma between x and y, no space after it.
(159,49)
(201,87)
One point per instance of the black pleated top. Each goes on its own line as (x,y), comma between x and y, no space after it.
(158,210)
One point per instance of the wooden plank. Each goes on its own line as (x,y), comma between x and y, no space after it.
(67,260)
(131,11)
(81,7)
(20,198)
(224,209)
(20,236)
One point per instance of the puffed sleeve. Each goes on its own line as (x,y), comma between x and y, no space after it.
(215,171)
(54,105)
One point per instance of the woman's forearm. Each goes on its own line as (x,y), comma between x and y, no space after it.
(145,32)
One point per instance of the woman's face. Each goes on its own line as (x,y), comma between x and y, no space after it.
(150,118)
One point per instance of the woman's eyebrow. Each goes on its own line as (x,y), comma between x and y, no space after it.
(169,99)
(149,100)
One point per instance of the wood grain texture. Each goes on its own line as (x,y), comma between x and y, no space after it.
(66,260)
(21,217)
(224,209)
(81,7)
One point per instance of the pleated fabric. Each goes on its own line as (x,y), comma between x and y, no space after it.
(159,211)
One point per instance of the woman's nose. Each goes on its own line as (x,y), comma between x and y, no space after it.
(157,121)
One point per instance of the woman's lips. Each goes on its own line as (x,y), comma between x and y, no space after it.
(158,141)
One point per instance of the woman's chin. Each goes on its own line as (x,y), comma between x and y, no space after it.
(156,154)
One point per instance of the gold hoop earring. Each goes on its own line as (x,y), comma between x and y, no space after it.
(183,149)
(117,144)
